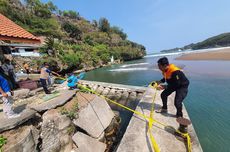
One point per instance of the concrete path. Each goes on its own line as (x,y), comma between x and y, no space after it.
(136,138)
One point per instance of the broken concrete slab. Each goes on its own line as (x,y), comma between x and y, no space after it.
(54,132)
(65,96)
(83,99)
(95,117)
(21,93)
(87,144)
(103,111)
(7,124)
(23,140)
(33,92)
(89,121)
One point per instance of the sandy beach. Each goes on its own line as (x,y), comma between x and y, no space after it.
(221,54)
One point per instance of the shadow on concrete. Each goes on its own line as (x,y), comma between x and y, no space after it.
(20,108)
(146,105)
(168,115)
(170,129)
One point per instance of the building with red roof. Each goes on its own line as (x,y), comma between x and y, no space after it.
(13,33)
(15,39)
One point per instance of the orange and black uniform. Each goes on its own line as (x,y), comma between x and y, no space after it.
(178,82)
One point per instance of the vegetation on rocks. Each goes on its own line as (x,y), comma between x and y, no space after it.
(71,113)
(70,39)
(2,142)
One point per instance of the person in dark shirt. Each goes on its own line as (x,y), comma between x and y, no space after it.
(176,81)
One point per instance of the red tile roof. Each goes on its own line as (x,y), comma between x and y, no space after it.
(9,29)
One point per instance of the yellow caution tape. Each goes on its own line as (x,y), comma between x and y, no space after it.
(61,78)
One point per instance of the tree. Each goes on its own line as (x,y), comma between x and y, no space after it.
(71,14)
(118,31)
(51,6)
(73,30)
(43,10)
(94,23)
(104,25)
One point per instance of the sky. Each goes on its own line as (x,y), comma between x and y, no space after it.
(158,24)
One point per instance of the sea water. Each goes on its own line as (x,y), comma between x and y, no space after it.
(208,100)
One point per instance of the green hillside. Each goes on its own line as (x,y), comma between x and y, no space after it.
(216,41)
(221,40)
(71,39)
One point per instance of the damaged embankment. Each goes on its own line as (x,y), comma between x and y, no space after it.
(69,121)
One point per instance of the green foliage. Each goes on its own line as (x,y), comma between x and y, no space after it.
(4,6)
(53,64)
(48,27)
(72,113)
(101,51)
(71,129)
(3,141)
(71,39)
(71,14)
(51,6)
(73,30)
(89,40)
(104,25)
(40,9)
(118,31)
(76,48)
(99,37)
(94,23)
(72,59)
(216,41)
(221,40)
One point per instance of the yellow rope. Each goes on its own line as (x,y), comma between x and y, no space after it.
(151,121)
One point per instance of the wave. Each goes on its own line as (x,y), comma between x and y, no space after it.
(132,69)
(164,54)
(128,69)
(136,64)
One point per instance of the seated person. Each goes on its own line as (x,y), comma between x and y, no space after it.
(73,80)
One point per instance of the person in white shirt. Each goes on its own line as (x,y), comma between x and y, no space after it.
(45,72)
